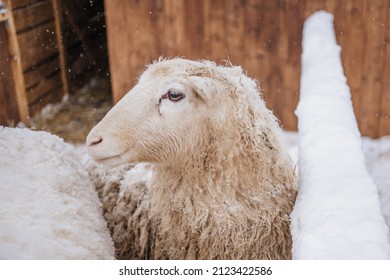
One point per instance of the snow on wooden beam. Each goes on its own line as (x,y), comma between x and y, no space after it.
(337,213)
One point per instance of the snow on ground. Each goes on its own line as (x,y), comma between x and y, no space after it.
(377,155)
(377,159)
(337,214)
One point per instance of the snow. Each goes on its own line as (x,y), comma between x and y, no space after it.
(337,214)
(49,208)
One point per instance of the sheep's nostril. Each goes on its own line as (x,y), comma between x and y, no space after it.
(94,141)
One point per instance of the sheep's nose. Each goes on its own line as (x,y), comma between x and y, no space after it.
(94,141)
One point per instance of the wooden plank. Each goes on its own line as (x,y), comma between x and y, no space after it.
(60,45)
(38,73)
(384,116)
(269,66)
(52,97)
(32,16)
(372,74)
(174,29)
(195,29)
(291,38)
(254,51)
(120,46)
(38,44)
(337,8)
(235,31)
(353,43)
(157,21)
(311,6)
(217,33)
(45,85)
(262,36)
(142,47)
(9,113)
(17,4)
(16,66)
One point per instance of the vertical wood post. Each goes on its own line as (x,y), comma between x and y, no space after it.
(16,66)
(57,18)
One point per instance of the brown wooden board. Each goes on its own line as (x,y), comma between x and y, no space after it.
(195,29)
(16,66)
(38,44)
(270,66)
(120,47)
(384,116)
(216,31)
(17,4)
(290,60)
(173,41)
(44,86)
(235,31)
(60,45)
(262,36)
(33,76)
(51,97)
(374,56)
(254,52)
(9,112)
(352,54)
(32,16)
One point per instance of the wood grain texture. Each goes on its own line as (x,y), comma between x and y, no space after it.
(16,67)
(264,37)
(38,44)
(384,115)
(8,105)
(372,77)
(33,15)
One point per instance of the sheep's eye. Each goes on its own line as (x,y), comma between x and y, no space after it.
(175,96)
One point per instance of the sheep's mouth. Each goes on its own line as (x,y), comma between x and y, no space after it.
(106,159)
(115,160)
(110,161)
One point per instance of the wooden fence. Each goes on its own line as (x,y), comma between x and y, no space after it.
(43,45)
(262,36)
(33,58)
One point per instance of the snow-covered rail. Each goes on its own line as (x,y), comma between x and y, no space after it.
(337,214)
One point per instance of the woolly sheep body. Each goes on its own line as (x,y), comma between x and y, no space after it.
(223,185)
(49,208)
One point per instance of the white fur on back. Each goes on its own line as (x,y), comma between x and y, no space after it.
(48,206)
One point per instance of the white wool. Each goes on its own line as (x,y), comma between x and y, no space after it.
(48,206)
(337,213)
(140,174)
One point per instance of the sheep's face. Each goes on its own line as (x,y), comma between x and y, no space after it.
(157,121)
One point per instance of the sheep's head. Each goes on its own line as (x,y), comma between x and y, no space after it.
(164,118)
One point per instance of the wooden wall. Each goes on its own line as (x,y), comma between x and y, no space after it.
(45,44)
(37,33)
(262,36)
(9,112)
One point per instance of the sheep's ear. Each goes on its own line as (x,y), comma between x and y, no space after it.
(203,87)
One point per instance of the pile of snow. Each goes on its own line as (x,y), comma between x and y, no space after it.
(49,208)
(377,154)
(377,158)
(337,214)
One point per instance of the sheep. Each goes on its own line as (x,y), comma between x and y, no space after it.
(49,208)
(222,186)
